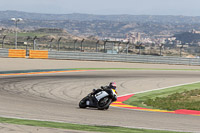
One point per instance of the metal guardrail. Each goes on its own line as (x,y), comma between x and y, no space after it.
(123,58)
(4,52)
(115,57)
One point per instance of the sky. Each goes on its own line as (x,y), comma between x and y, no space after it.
(105,7)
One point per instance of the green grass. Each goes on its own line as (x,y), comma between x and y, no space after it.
(186,100)
(139,99)
(107,129)
(31,34)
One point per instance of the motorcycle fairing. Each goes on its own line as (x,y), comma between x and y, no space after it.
(101,94)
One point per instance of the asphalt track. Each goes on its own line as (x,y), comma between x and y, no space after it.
(55,97)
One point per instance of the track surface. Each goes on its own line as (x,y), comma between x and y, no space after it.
(56,96)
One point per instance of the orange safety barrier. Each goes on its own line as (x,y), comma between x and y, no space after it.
(38,54)
(17,53)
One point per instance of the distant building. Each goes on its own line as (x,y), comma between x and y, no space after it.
(138,37)
(171,39)
(133,37)
(195,32)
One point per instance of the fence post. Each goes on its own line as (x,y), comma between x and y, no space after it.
(104,45)
(97,43)
(118,47)
(34,42)
(59,43)
(82,45)
(3,41)
(127,45)
(50,47)
(75,44)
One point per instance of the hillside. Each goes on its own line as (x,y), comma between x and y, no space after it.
(6,15)
(188,37)
(116,26)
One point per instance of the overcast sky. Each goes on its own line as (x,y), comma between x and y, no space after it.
(135,7)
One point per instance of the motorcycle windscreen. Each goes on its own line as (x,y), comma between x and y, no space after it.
(101,95)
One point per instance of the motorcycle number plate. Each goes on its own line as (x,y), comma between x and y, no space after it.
(101,95)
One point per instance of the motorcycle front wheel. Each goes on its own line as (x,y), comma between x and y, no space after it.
(104,103)
(82,103)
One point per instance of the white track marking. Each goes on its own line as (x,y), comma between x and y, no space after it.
(160,88)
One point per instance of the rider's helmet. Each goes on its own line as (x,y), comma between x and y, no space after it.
(112,85)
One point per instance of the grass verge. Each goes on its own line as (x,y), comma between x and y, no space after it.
(139,99)
(189,100)
(107,129)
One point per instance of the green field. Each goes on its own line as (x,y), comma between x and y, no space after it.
(106,129)
(189,100)
(31,34)
(179,97)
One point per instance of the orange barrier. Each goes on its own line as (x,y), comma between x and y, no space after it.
(38,54)
(17,53)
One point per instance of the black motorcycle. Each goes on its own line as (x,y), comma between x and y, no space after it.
(100,100)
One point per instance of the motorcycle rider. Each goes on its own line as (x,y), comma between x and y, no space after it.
(92,97)
(112,85)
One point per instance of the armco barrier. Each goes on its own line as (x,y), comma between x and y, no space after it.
(3,52)
(100,57)
(38,54)
(123,58)
(17,53)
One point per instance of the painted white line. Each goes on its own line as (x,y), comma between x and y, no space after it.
(160,88)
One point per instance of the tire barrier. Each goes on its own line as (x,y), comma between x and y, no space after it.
(17,53)
(38,54)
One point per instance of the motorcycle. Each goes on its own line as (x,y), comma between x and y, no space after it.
(100,100)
